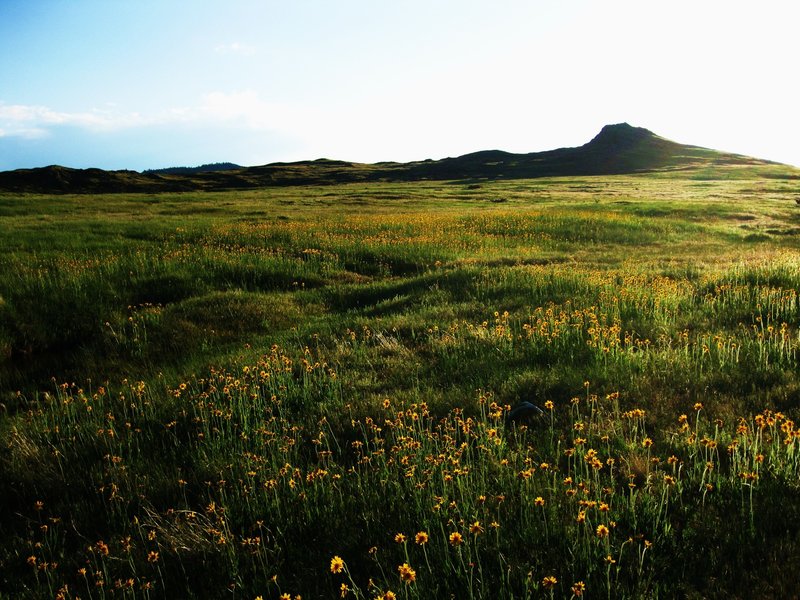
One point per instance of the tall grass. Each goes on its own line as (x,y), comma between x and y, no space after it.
(308,393)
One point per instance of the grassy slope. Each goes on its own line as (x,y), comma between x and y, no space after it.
(389,285)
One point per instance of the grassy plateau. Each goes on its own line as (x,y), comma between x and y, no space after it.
(304,392)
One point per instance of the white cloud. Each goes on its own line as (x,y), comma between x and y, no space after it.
(246,108)
(237,48)
(34,121)
(243,109)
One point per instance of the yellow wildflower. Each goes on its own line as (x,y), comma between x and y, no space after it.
(549,582)
(337,565)
(407,574)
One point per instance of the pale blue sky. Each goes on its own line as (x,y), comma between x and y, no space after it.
(150,83)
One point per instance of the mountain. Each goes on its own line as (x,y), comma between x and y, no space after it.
(617,149)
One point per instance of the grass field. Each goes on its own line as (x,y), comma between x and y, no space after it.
(304,391)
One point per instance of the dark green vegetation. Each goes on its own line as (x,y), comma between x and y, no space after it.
(207,168)
(617,149)
(220,392)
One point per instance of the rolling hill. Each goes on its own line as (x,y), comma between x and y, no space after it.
(617,149)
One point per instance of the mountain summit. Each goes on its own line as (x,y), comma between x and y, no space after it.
(622,135)
(617,149)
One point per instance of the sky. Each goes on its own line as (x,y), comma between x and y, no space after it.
(140,84)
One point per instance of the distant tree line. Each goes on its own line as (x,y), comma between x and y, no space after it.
(219,166)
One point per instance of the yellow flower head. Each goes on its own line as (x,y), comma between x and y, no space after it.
(578,588)
(421,538)
(400,538)
(407,574)
(337,565)
(476,528)
(602,531)
(456,539)
(549,582)
(539,501)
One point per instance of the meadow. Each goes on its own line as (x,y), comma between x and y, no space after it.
(304,391)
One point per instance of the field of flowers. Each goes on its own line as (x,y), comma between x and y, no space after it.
(308,392)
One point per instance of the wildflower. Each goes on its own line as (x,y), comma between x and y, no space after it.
(602,531)
(647,442)
(337,565)
(494,525)
(400,538)
(31,560)
(581,516)
(549,582)
(343,590)
(388,595)
(578,588)
(610,560)
(698,406)
(152,556)
(669,480)
(476,528)
(407,574)
(421,538)
(539,501)
(456,539)
(604,507)
(549,404)
(282,597)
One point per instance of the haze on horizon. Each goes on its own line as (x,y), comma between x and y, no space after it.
(153,83)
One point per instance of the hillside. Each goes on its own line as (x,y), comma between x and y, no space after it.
(617,149)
